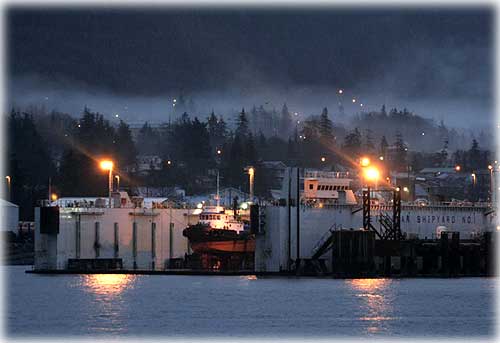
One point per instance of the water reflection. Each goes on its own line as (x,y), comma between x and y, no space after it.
(109,306)
(376,298)
(107,284)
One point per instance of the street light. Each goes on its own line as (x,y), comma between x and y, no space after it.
(372,174)
(117,177)
(473,178)
(490,167)
(365,162)
(457,168)
(251,173)
(323,159)
(8,185)
(108,165)
(53,197)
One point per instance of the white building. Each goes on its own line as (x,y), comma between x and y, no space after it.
(10,216)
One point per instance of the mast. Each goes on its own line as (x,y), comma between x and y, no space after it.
(218,201)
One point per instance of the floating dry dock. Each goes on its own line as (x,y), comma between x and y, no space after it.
(291,237)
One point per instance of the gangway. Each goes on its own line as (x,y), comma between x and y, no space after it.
(324,244)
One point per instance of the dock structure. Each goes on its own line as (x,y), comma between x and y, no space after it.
(409,239)
(292,237)
(129,238)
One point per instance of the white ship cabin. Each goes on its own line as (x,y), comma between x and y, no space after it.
(328,188)
(218,218)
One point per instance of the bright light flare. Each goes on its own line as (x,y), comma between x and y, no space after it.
(106,165)
(365,162)
(372,174)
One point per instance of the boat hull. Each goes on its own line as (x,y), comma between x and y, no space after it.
(204,239)
(234,246)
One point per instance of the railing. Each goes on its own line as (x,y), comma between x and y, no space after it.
(325,174)
(387,207)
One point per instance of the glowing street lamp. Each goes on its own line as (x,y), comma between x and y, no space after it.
(323,159)
(53,197)
(458,168)
(490,167)
(365,162)
(372,174)
(251,174)
(9,179)
(473,178)
(108,165)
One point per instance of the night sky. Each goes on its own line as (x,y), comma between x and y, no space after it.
(437,62)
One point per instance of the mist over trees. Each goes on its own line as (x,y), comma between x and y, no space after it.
(43,145)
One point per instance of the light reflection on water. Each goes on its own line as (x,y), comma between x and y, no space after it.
(107,284)
(110,307)
(376,298)
(245,306)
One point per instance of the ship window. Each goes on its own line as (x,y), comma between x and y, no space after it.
(330,188)
(218,217)
(311,186)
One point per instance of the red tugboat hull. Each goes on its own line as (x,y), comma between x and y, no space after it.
(229,246)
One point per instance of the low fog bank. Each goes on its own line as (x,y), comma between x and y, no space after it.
(72,98)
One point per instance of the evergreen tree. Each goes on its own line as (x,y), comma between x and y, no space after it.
(148,140)
(93,140)
(285,122)
(125,150)
(352,143)
(400,161)
(242,125)
(217,131)
(28,163)
(325,126)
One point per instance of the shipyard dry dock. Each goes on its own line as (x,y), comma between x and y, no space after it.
(339,239)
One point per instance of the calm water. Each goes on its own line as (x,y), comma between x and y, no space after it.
(62,305)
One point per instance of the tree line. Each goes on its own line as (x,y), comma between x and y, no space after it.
(66,150)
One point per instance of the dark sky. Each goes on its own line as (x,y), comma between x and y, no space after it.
(223,57)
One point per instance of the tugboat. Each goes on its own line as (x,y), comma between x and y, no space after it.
(219,232)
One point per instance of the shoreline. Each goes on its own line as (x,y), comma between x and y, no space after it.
(249,273)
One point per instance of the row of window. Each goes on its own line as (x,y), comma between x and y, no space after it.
(328,187)
(210,216)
